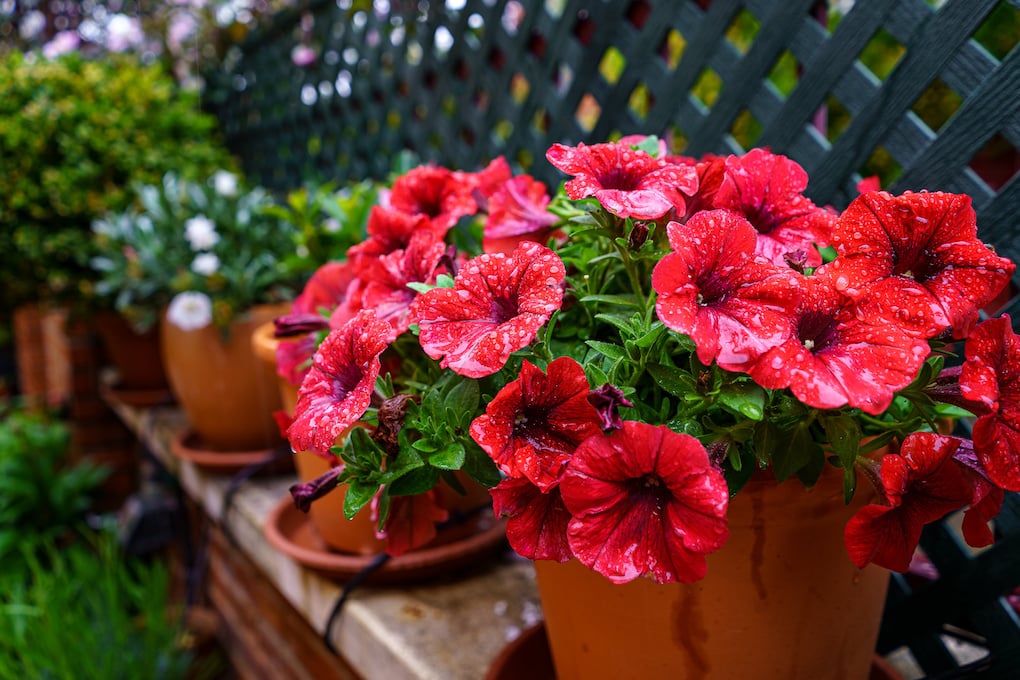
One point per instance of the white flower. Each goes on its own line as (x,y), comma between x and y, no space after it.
(62,43)
(201,233)
(331,225)
(205,264)
(225,183)
(190,311)
(123,33)
(32,25)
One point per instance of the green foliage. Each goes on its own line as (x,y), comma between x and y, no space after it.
(145,257)
(326,222)
(79,612)
(41,495)
(74,134)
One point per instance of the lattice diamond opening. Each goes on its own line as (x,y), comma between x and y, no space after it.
(937,104)
(882,53)
(743,30)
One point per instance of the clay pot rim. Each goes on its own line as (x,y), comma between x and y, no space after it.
(264,342)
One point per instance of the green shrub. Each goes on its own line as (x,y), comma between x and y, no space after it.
(74,134)
(41,496)
(79,612)
(214,239)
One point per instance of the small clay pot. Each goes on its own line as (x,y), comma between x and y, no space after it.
(228,394)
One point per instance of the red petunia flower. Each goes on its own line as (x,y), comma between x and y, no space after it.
(733,306)
(645,500)
(626,181)
(386,278)
(836,356)
(921,484)
(495,308)
(442,195)
(991,376)
(328,288)
(389,230)
(338,388)
(768,189)
(489,179)
(536,527)
(711,173)
(918,258)
(517,212)
(534,423)
(411,522)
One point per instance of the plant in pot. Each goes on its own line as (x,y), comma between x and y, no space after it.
(710,403)
(204,258)
(74,134)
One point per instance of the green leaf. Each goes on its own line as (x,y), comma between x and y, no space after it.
(610,350)
(418,287)
(415,482)
(462,398)
(765,440)
(358,495)
(450,457)
(844,435)
(677,382)
(480,467)
(444,281)
(425,445)
(744,399)
(849,484)
(801,447)
(649,338)
(623,300)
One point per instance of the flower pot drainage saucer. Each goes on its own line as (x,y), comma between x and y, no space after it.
(528,656)
(186,445)
(291,532)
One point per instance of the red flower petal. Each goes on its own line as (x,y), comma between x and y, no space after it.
(930,241)
(991,375)
(768,189)
(837,357)
(386,278)
(517,212)
(733,307)
(338,388)
(532,426)
(922,485)
(411,522)
(495,308)
(644,500)
(389,230)
(626,181)
(438,193)
(537,524)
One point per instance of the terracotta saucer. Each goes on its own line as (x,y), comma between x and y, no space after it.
(291,532)
(136,397)
(528,658)
(186,445)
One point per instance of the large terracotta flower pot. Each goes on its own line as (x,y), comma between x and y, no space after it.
(136,357)
(228,394)
(781,601)
(357,535)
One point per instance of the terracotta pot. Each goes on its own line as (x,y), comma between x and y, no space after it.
(135,356)
(356,536)
(781,601)
(228,394)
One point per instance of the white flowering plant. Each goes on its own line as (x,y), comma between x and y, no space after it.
(205,251)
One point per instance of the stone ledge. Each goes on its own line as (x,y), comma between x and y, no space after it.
(450,628)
